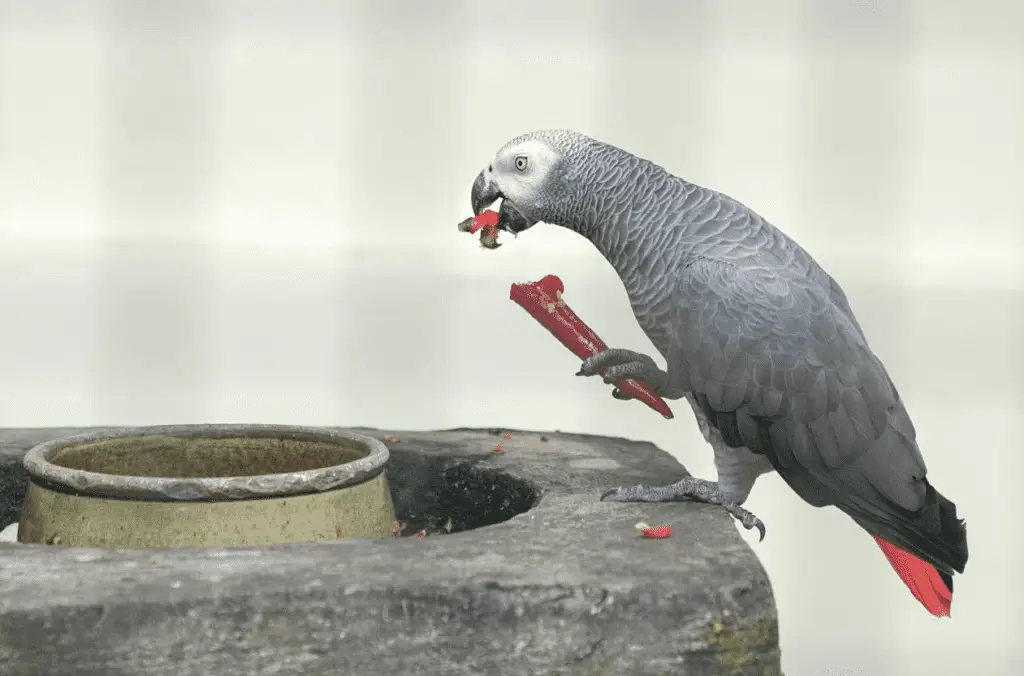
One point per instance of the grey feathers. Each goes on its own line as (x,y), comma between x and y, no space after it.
(762,337)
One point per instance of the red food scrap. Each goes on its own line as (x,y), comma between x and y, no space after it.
(488,219)
(499,448)
(421,534)
(337,531)
(654,532)
(543,300)
(506,435)
(487,224)
(391,438)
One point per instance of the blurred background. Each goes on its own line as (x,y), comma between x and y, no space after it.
(245,212)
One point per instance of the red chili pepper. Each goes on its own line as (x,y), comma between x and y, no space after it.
(654,532)
(543,300)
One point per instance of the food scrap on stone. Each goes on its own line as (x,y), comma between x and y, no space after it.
(543,300)
(654,532)
(486,224)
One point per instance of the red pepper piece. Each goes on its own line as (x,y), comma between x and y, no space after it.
(488,219)
(654,532)
(543,300)
(487,224)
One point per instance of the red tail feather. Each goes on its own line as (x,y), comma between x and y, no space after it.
(921,578)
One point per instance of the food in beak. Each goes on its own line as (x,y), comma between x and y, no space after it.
(486,224)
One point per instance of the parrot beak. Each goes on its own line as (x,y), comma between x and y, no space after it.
(485,192)
(511,219)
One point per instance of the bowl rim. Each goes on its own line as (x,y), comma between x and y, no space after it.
(204,489)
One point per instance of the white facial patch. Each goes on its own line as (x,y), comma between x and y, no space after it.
(522,180)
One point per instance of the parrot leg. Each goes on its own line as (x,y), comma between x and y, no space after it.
(615,364)
(686,489)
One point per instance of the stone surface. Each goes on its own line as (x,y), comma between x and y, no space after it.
(563,587)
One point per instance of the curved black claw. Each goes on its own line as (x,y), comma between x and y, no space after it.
(748,520)
(609,492)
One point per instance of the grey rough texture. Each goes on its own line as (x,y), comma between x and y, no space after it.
(566,587)
(38,465)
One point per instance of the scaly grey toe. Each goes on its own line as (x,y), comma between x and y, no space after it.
(686,489)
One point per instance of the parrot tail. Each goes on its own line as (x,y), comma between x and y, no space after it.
(925,548)
(933,588)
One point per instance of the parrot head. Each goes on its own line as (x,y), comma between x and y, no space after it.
(533,175)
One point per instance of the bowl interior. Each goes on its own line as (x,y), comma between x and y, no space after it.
(181,457)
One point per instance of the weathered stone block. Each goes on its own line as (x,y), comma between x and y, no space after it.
(536,577)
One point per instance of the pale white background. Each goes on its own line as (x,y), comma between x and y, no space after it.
(245,211)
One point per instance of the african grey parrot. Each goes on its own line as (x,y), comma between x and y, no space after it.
(757,337)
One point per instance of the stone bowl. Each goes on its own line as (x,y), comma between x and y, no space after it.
(206,485)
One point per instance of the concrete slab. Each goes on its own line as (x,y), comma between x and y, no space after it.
(536,577)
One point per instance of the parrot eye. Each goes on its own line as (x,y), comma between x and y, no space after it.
(522,162)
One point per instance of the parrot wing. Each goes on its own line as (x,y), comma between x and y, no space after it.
(779,368)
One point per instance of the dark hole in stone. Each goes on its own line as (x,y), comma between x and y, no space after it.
(447,495)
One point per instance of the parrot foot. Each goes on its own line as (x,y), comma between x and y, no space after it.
(686,489)
(615,364)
